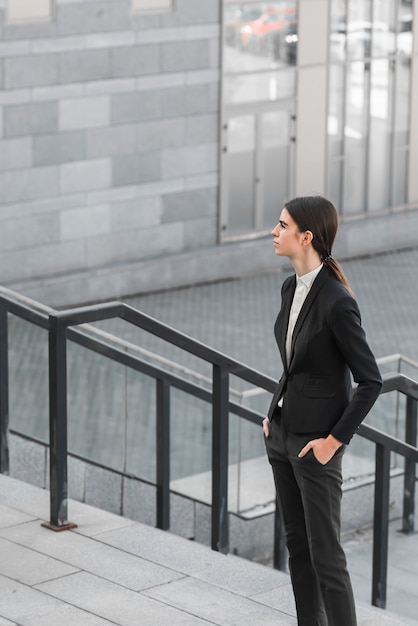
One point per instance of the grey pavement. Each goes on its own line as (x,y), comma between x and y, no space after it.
(111,570)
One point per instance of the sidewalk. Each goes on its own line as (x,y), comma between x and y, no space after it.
(110,570)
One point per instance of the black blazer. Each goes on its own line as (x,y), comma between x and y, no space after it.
(328,342)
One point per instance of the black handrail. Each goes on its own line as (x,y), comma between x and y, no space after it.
(60,329)
(222,366)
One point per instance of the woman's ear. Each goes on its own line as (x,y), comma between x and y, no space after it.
(307,237)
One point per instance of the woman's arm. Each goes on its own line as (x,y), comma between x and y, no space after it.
(345,323)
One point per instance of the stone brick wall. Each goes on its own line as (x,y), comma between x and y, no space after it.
(108,145)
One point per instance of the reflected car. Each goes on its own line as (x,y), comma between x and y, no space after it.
(235,21)
(259,35)
(285,44)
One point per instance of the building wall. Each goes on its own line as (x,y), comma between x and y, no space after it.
(108,141)
(109,152)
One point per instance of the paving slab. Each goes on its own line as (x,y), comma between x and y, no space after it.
(217,605)
(89,555)
(116,603)
(30,567)
(27,606)
(194,559)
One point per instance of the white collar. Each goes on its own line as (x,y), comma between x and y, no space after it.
(307,279)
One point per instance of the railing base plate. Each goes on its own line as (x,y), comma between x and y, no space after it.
(57,529)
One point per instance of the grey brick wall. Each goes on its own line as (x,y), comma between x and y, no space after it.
(108,144)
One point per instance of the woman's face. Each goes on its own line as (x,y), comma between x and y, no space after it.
(287,238)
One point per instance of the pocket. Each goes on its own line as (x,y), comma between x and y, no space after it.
(311,456)
(316,391)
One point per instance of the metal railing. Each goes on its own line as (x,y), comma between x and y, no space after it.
(60,328)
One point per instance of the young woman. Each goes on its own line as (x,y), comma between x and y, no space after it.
(314,413)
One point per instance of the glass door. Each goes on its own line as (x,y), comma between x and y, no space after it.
(276,170)
(256,171)
(239,175)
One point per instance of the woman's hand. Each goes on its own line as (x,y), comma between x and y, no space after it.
(266,426)
(323,448)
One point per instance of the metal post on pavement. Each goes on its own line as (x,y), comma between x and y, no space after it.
(408,515)
(220,437)
(4,395)
(58,426)
(381,526)
(163,455)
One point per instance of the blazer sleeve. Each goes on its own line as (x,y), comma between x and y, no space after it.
(350,337)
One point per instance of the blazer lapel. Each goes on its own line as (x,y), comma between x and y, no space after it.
(283,320)
(310,299)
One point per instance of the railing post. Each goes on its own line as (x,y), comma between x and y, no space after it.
(4,395)
(381,526)
(220,436)
(410,466)
(163,455)
(58,426)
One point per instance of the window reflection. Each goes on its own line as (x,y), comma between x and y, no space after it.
(241,169)
(260,43)
(370,82)
(259,87)
(404,38)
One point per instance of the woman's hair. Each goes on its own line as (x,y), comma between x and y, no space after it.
(319,215)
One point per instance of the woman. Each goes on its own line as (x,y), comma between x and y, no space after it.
(314,413)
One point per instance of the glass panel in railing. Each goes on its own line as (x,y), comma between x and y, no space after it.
(179,313)
(359,461)
(96,407)
(191,446)
(28,379)
(141,426)
(251,482)
(385,416)
(409,367)
(251,487)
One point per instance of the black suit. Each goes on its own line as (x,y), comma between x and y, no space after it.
(327,343)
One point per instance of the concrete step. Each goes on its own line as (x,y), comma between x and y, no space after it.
(111,570)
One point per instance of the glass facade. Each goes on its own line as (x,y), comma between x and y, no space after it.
(259,89)
(260,51)
(368,117)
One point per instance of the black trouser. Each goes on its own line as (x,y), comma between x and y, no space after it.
(309,497)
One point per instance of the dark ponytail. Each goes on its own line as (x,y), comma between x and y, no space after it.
(318,214)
